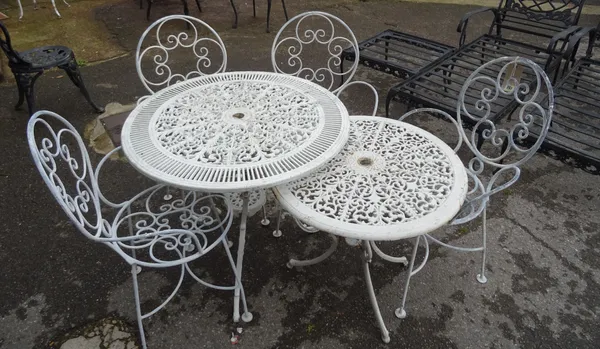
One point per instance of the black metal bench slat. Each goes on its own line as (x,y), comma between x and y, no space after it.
(577,98)
(412,46)
(400,44)
(574,135)
(380,50)
(397,54)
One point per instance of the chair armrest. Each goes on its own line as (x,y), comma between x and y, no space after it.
(464,22)
(562,36)
(575,40)
(362,83)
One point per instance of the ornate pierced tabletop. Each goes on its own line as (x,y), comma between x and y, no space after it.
(392,181)
(235,131)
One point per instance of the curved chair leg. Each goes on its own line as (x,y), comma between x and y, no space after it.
(303,263)
(367,256)
(235,21)
(21,8)
(55,9)
(75,75)
(284,10)
(25,84)
(66,3)
(268,14)
(186,10)
(138,308)
(148,9)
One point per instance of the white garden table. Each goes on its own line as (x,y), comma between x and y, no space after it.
(235,132)
(392,181)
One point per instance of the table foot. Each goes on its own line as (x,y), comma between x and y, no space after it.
(265,222)
(400,313)
(385,337)
(247,316)
(481,278)
(277,233)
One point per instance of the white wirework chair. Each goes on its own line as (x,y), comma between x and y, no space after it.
(157,68)
(323,37)
(505,145)
(144,230)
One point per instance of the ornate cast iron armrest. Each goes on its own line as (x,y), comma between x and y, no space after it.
(464,22)
(366,84)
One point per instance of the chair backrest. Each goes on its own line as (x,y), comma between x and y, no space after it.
(61,157)
(199,40)
(6,46)
(310,46)
(500,146)
(501,143)
(542,18)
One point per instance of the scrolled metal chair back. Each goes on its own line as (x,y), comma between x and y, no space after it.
(315,36)
(200,39)
(64,164)
(511,141)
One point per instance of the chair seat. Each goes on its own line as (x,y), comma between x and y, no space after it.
(47,56)
(440,84)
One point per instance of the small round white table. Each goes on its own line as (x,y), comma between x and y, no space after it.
(235,132)
(391,181)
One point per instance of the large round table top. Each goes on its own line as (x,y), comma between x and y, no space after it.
(391,181)
(235,131)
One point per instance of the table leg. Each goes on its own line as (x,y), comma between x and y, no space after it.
(246,317)
(367,255)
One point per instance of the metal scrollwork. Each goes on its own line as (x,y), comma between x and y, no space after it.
(516,78)
(144,230)
(210,52)
(331,34)
(561,10)
(54,158)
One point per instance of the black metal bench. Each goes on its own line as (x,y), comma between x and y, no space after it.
(574,135)
(549,25)
(397,53)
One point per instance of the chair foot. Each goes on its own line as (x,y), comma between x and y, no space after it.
(265,222)
(277,233)
(247,316)
(400,313)
(481,278)
(385,337)
(289,264)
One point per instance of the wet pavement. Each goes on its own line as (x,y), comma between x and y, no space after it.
(56,286)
